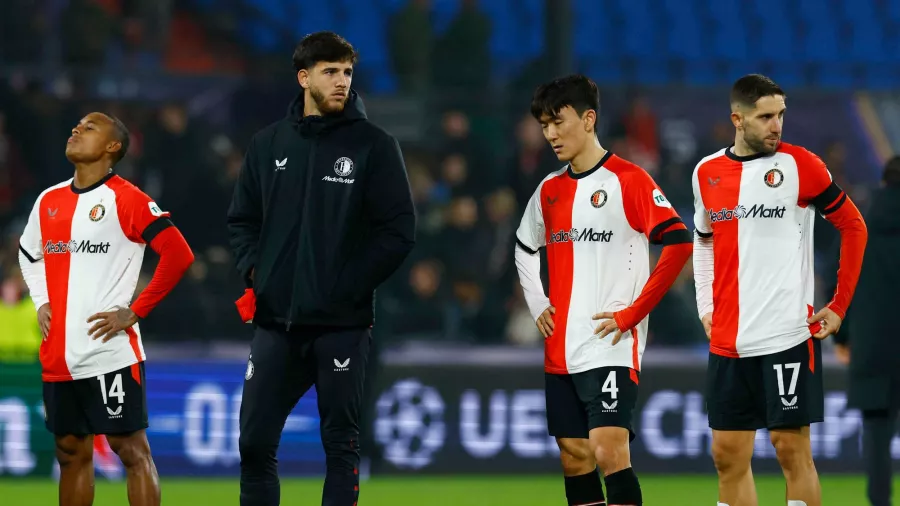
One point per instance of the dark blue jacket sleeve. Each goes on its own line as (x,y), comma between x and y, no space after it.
(245,216)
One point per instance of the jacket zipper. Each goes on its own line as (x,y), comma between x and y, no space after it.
(310,166)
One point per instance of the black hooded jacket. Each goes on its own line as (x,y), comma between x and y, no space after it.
(322,214)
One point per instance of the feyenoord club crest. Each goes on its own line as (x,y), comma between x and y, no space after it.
(774,178)
(97,212)
(343,166)
(598,199)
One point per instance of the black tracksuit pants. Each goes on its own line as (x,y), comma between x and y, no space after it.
(283,366)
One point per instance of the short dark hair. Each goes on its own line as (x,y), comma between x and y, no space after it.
(323,46)
(891,174)
(576,90)
(123,136)
(750,88)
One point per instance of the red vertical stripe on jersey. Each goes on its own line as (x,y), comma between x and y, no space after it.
(812,354)
(634,376)
(133,341)
(136,373)
(557,199)
(720,187)
(56,211)
(635,343)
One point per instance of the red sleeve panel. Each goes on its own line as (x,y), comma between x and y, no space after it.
(646,207)
(144,222)
(649,212)
(175,257)
(818,189)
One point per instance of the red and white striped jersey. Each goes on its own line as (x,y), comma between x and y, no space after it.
(91,242)
(596,226)
(760,212)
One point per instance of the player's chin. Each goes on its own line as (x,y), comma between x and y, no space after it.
(770,145)
(73,154)
(335,105)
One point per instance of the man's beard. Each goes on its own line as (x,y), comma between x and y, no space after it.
(322,103)
(758,145)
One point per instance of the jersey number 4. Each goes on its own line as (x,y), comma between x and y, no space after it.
(609,386)
(115,390)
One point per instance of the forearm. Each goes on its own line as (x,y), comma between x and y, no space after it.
(849,222)
(703,274)
(667,269)
(175,258)
(35,276)
(529,267)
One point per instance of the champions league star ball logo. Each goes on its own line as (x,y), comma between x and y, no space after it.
(409,424)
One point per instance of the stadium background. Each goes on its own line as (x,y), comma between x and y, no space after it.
(456,389)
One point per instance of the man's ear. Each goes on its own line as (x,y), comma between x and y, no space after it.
(303,78)
(113,147)
(590,120)
(737,118)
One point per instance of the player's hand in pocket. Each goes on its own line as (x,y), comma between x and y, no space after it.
(545,322)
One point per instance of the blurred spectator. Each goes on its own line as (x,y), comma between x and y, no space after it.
(87,31)
(15,180)
(411,44)
(638,126)
(20,335)
(532,160)
(461,59)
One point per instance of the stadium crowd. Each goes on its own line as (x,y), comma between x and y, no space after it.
(470,181)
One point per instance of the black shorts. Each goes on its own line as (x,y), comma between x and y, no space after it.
(112,403)
(602,397)
(781,390)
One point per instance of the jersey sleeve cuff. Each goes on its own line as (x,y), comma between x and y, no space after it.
(703,235)
(27,254)
(838,310)
(525,247)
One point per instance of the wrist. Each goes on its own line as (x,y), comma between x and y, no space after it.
(623,319)
(838,310)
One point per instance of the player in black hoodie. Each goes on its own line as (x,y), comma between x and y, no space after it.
(321,215)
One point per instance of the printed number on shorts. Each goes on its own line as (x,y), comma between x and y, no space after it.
(115,390)
(789,400)
(610,385)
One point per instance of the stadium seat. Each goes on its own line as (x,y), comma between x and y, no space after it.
(371,38)
(595,36)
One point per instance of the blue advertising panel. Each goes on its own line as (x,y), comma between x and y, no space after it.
(194,422)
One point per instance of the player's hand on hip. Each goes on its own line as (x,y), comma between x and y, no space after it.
(607,327)
(545,322)
(44,315)
(111,323)
(828,319)
(842,353)
(706,320)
